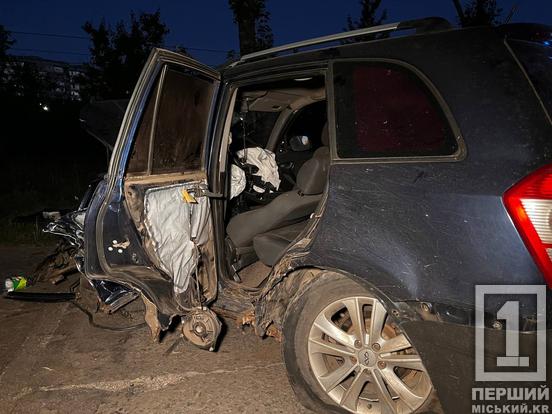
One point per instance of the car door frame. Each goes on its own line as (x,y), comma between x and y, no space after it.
(96,264)
(237,297)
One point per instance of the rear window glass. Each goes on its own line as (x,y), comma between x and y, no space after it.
(177,117)
(181,124)
(536,58)
(384,110)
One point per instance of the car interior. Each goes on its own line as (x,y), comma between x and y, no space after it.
(278,155)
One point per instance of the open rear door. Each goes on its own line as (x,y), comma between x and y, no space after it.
(149,226)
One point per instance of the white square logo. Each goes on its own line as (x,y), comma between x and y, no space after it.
(509,312)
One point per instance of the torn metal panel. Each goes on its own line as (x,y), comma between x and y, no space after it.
(56,265)
(151,318)
(177,229)
(113,296)
(271,309)
(68,254)
(70,227)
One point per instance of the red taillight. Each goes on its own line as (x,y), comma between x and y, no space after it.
(529,204)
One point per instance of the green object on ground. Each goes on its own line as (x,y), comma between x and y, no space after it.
(12,284)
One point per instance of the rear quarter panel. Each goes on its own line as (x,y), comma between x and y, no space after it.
(432,230)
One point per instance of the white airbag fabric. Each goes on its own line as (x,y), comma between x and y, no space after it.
(238,181)
(265,161)
(173,225)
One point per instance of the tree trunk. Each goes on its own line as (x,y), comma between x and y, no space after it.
(248,38)
(459,11)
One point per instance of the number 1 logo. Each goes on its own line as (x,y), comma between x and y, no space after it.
(509,312)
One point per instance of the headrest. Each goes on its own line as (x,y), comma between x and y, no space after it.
(325,136)
(323,152)
(312,176)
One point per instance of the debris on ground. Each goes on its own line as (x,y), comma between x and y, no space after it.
(11,284)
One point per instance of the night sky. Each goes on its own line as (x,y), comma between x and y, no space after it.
(208,23)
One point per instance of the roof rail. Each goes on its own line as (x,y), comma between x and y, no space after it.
(421,25)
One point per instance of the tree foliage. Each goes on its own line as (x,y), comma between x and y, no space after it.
(254,29)
(369,16)
(118,54)
(29,84)
(478,13)
(6,42)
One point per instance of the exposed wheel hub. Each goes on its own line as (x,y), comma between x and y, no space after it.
(202,328)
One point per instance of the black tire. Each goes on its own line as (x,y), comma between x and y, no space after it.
(299,318)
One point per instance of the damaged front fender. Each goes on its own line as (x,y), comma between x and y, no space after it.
(70,227)
(68,255)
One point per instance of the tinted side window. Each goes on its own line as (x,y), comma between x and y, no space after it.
(384,110)
(181,124)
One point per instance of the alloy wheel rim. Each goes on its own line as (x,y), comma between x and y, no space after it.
(363,361)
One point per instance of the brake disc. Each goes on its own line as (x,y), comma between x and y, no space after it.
(202,327)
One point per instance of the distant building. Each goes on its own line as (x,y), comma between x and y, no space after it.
(63,79)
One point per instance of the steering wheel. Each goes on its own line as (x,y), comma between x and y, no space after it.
(253,180)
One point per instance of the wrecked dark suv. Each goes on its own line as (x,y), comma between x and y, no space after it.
(344,200)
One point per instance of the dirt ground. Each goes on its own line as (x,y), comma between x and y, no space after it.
(53,361)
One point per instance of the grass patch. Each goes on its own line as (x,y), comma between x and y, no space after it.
(35,186)
(24,233)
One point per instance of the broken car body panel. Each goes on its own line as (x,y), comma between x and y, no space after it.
(123,216)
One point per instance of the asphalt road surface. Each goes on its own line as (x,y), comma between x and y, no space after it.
(53,361)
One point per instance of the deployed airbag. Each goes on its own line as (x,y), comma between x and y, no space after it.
(177,229)
(238,181)
(265,161)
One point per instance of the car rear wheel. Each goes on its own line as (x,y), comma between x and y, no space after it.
(345,353)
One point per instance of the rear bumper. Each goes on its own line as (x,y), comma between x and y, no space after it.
(448,351)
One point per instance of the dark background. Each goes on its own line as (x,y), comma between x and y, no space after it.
(209,23)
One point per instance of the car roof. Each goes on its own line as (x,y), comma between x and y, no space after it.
(250,62)
(431,26)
